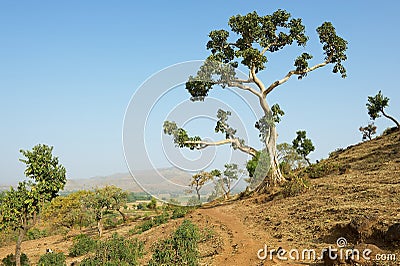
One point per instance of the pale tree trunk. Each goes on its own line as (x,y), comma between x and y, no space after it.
(274,176)
(100,227)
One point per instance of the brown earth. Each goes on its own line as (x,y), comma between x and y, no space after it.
(358,200)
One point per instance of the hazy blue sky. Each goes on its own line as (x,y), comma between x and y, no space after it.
(68,70)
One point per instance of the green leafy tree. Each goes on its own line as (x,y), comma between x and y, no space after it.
(254,38)
(105,199)
(303,145)
(376,105)
(368,131)
(21,206)
(69,211)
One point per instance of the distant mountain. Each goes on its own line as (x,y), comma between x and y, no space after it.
(160,180)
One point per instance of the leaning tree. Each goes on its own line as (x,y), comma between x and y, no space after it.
(254,38)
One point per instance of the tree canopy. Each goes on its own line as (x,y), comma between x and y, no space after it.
(251,39)
(20,207)
(376,105)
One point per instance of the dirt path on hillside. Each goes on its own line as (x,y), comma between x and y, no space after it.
(240,248)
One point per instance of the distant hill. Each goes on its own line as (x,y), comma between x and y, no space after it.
(151,179)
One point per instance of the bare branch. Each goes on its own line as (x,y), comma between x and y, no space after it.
(294,72)
(203,144)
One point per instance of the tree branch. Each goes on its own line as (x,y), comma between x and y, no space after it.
(294,72)
(203,144)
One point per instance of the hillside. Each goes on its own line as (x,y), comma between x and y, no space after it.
(358,199)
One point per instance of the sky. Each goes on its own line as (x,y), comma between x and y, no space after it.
(68,70)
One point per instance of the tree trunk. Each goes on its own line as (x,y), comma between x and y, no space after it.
(391,118)
(198,194)
(21,235)
(274,176)
(100,227)
(123,215)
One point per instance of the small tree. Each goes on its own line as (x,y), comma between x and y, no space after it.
(198,181)
(105,199)
(69,211)
(368,131)
(289,158)
(303,145)
(376,105)
(20,207)
(225,180)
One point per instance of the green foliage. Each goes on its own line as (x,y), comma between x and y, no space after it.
(35,233)
(133,196)
(82,244)
(324,168)
(19,206)
(180,249)
(258,168)
(289,158)
(251,164)
(154,221)
(295,187)
(224,181)
(116,251)
(179,212)
(303,145)
(69,211)
(103,200)
(10,260)
(152,204)
(376,104)
(52,259)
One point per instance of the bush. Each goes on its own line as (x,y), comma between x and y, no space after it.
(52,259)
(116,251)
(156,221)
(180,249)
(10,260)
(179,212)
(82,244)
(294,187)
(322,169)
(35,233)
(152,205)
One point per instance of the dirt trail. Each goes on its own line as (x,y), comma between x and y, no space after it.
(240,248)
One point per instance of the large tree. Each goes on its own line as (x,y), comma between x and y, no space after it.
(20,207)
(254,38)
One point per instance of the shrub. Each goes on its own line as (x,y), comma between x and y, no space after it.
(52,259)
(10,260)
(35,233)
(179,212)
(152,204)
(322,169)
(156,221)
(116,251)
(180,249)
(294,187)
(82,244)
